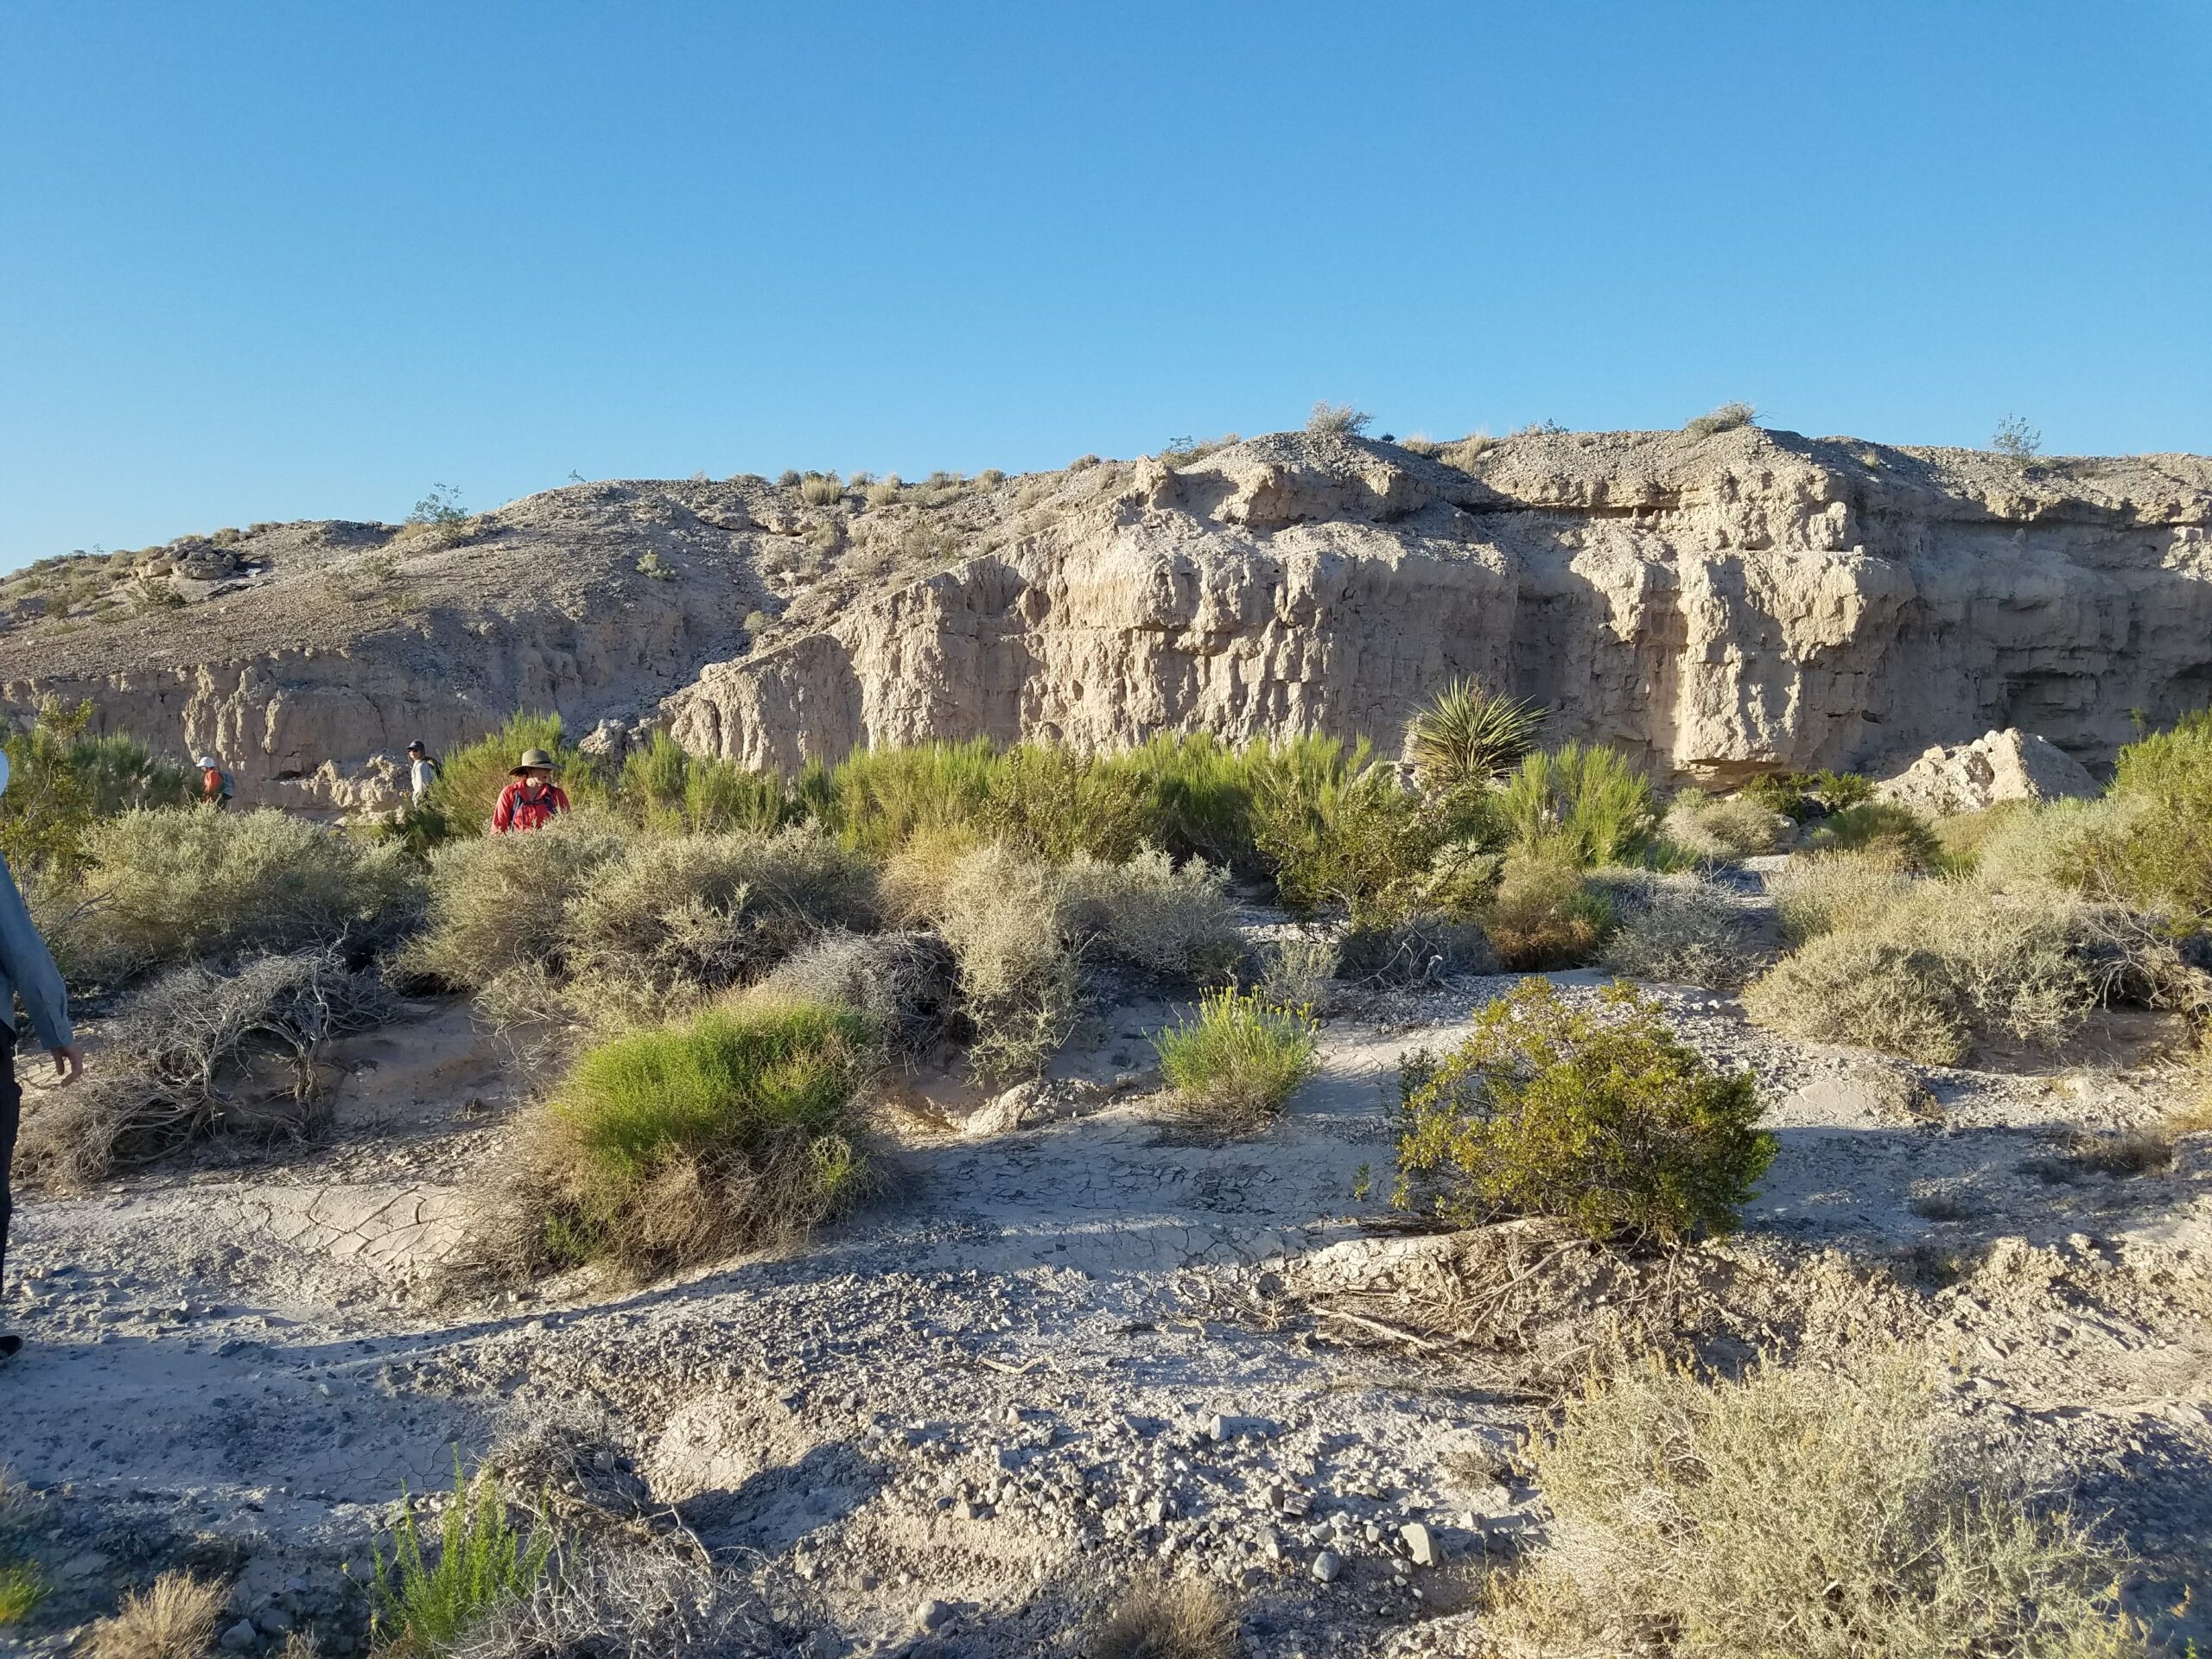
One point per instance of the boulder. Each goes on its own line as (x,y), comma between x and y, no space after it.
(2007,765)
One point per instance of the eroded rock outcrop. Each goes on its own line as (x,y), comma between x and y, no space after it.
(1716,607)
(2012,765)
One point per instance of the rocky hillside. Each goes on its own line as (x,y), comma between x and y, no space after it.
(1716,606)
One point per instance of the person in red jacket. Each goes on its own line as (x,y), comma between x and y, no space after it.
(533,799)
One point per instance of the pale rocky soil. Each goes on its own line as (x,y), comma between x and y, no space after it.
(1048,1354)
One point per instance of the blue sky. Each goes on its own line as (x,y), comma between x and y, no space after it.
(287,260)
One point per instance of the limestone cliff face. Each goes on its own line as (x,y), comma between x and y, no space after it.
(1715,607)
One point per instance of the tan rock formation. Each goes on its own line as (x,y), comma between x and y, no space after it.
(2010,765)
(1716,607)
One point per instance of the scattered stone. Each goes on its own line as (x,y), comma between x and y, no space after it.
(1327,1565)
(1420,1544)
(241,1638)
(931,1613)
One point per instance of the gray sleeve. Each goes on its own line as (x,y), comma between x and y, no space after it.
(27,961)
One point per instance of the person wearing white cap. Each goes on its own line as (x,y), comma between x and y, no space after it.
(214,783)
(27,975)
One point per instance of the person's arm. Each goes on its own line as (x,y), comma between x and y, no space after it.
(502,814)
(30,964)
(560,799)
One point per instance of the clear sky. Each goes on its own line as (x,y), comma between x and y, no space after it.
(291,259)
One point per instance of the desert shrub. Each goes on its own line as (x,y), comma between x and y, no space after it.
(64,781)
(1466,735)
(1595,1115)
(1468,450)
(1199,792)
(1005,916)
(22,1586)
(471,777)
(1806,796)
(1235,1061)
(1822,892)
(1153,1617)
(201,1051)
(1350,836)
(2162,858)
(884,492)
(1156,916)
(1961,837)
(1056,803)
(822,489)
(626,1597)
(1730,827)
(1423,949)
(1545,915)
(1296,971)
(1682,930)
(720,796)
(422,1601)
(671,1146)
(173,1619)
(498,903)
(1342,419)
(1945,966)
(1583,802)
(876,800)
(1821,1514)
(2016,438)
(169,885)
(904,984)
(1882,828)
(1726,418)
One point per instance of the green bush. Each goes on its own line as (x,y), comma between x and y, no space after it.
(469,779)
(1941,968)
(183,882)
(2162,858)
(1596,1116)
(63,782)
(1234,1064)
(1359,842)
(1584,802)
(662,788)
(1812,1512)
(1545,915)
(1466,735)
(1808,796)
(422,1602)
(1883,828)
(668,1147)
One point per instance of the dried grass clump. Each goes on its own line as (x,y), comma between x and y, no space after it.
(905,984)
(1945,966)
(1007,917)
(1725,827)
(1156,1618)
(822,489)
(1818,1513)
(181,883)
(174,1618)
(621,1599)
(498,903)
(1725,419)
(198,1051)
(1823,892)
(1682,930)
(1297,972)
(1152,915)
(668,1147)
(1424,949)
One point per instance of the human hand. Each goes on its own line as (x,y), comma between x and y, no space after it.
(69,1063)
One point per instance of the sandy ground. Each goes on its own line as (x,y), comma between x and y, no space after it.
(1054,1352)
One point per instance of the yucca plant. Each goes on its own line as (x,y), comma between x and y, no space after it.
(422,1604)
(1466,734)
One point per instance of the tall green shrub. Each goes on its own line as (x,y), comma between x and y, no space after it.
(1580,802)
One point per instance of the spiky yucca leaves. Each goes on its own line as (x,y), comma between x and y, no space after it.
(1466,734)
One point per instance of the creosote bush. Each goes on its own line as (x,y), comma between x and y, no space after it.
(1235,1062)
(1820,1514)
(1594,1115)
(170,886)
(664,1147)
(1545,915)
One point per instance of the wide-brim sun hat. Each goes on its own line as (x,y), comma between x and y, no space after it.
(532,761)
(206,763)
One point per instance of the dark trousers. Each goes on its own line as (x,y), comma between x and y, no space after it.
(11,1114)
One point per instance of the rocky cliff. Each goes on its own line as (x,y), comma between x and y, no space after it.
(1717,606)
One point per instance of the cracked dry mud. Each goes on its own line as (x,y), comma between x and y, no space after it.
(1046,1355)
